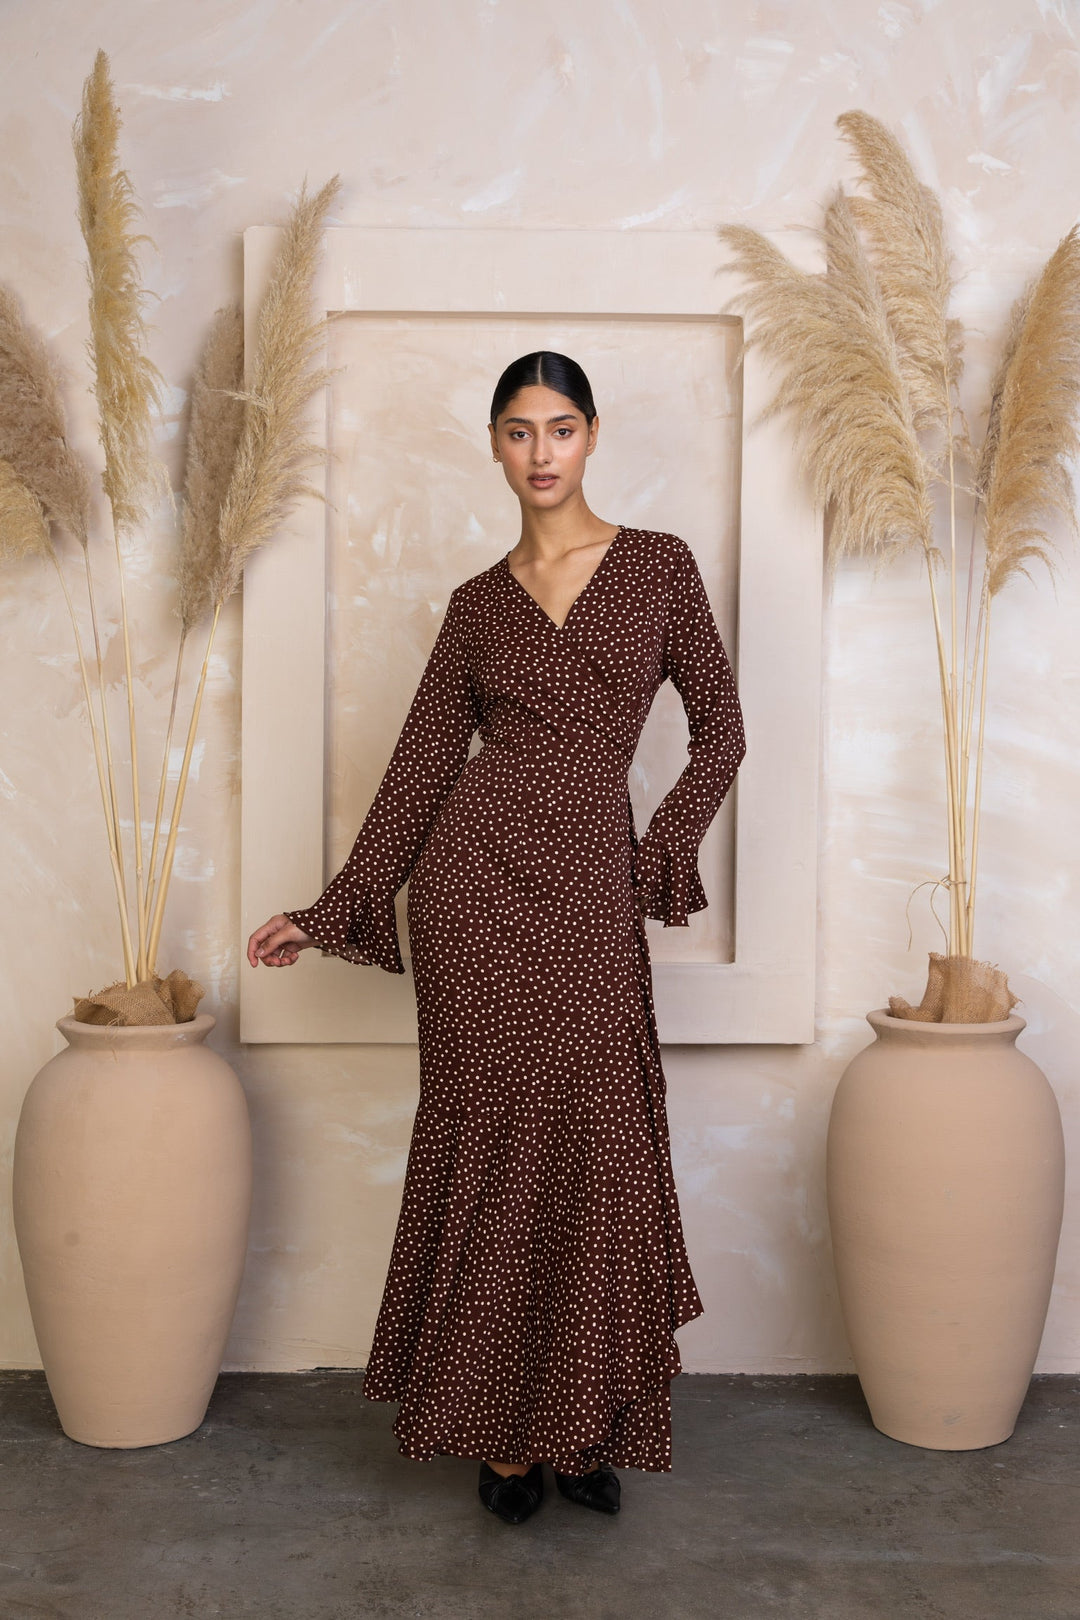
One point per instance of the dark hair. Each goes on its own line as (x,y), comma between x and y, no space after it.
(551,370)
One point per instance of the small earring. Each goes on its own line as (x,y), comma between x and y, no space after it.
(494,458)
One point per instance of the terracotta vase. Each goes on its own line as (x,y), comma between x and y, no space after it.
(945,1175)
(132,1193)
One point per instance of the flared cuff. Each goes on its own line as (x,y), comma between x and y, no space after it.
(360,926)
(667,882)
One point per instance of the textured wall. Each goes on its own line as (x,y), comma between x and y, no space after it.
(618,114)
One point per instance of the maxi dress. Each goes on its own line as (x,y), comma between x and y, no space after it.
(538,1271)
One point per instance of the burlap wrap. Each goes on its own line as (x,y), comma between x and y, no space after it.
(959,990)
(152,1001)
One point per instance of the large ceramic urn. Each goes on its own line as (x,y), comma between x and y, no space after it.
(132,1193)
(945,1173)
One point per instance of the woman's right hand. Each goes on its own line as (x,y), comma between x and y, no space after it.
(277,943)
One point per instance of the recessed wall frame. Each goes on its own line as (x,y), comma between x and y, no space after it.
(766,993)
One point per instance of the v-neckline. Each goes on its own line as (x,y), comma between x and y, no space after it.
(612,543)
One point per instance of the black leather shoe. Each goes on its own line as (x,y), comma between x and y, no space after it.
(514,1497)
(599,1489)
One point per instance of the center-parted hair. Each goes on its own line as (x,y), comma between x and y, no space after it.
(550,370)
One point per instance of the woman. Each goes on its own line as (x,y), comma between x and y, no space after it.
(538,1272)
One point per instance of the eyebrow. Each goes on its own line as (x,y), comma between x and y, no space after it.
(567,416)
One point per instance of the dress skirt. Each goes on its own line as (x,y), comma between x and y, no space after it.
(538,1272)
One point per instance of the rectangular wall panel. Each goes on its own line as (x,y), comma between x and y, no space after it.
(342,607)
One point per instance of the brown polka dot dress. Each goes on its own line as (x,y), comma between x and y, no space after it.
(538,1271)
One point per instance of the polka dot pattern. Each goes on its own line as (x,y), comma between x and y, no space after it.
(538,1272)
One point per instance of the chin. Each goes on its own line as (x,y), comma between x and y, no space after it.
(548,497)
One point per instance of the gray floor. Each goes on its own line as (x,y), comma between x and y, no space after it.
(291,1502)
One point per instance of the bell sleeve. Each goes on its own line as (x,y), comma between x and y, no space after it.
(666,879)
(354,917)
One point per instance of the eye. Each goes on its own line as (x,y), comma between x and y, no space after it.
(564,430)
(515,431)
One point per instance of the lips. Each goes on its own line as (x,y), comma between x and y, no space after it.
(542,478)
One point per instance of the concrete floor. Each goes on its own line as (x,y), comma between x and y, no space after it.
(290,1502)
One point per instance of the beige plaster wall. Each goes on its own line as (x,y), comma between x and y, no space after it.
(617,114)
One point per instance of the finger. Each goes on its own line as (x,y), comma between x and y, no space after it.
(255,941)
(274,937)
(281,954)
(263,938)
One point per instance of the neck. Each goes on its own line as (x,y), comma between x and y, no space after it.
(552,532)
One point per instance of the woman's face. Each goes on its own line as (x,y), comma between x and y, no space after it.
(542,440)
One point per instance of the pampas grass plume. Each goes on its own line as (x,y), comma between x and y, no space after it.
(126,382)
(829,337)
(32,427)
(23,529)
(217,417)
(903,225)
(273,452)
(1024,472)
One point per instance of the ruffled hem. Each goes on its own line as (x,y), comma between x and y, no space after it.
(638,1432)
(364,932)
(667,883)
